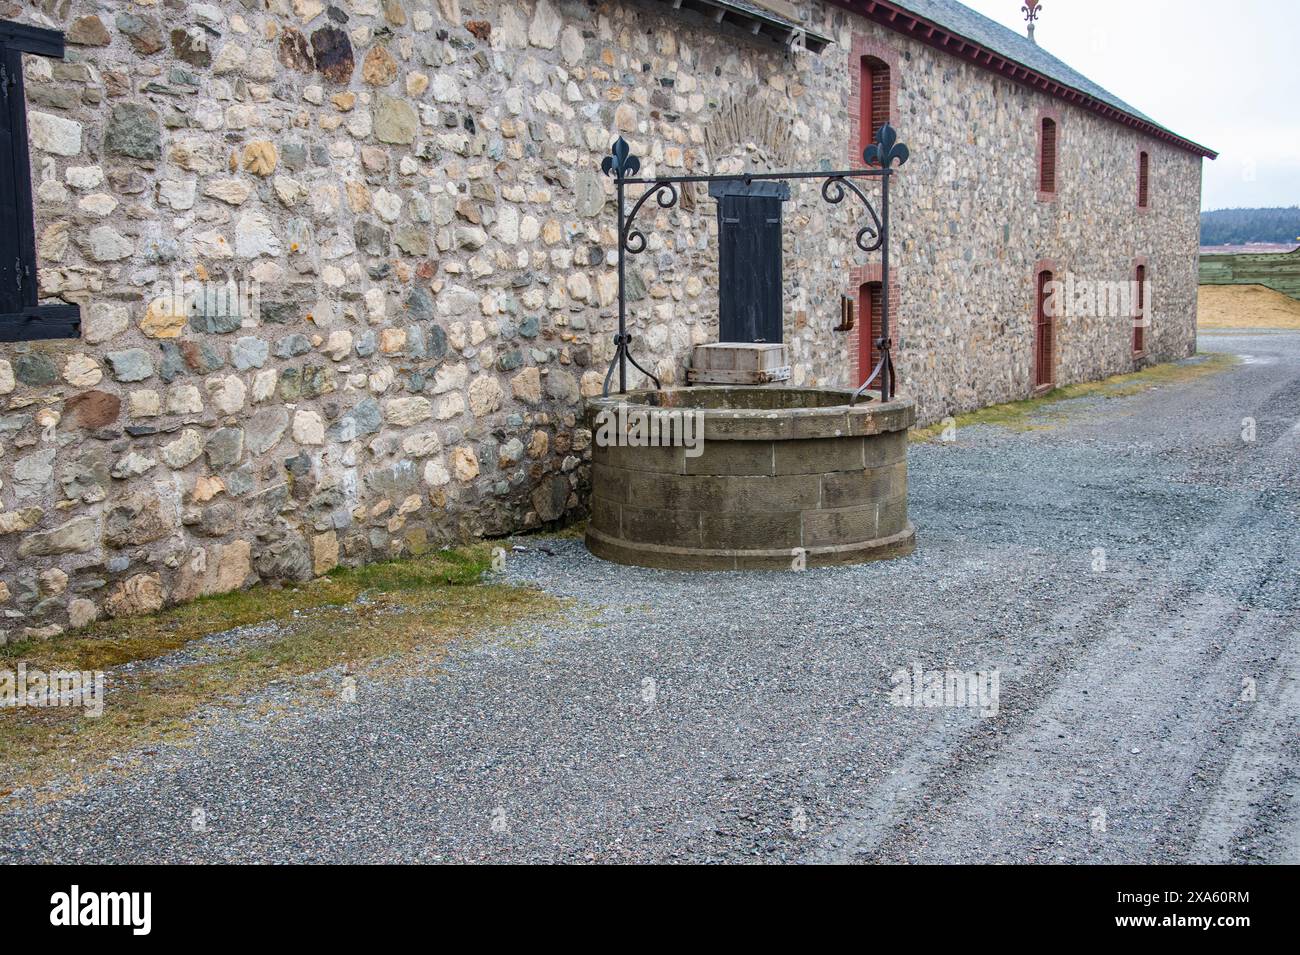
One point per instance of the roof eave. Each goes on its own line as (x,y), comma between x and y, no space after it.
(754,21)
(942,38)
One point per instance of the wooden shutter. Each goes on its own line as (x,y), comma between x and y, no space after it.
(869,329)
(1144,162)
(1043,329)
(873,295)
(22,318)
(750,303)
(1047,166)
(1140,316)
(879,98)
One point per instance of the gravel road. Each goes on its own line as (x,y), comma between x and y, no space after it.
(1129,572)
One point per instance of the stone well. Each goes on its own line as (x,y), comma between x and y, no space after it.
(780,475)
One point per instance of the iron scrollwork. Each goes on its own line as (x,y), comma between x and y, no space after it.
(665,194)
(870,237)
(622,165)
(623,349)
(881,157)
(884,152)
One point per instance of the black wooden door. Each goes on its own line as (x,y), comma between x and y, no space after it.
(750,297)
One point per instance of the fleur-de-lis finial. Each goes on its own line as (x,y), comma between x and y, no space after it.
(620,162)
(1031,10)
(886,149)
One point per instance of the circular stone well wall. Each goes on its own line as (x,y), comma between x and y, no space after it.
(781,474)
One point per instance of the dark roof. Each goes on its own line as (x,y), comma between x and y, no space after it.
(1004,44)
(754,19)
(975,26)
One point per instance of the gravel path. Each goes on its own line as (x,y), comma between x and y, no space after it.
(1130,573)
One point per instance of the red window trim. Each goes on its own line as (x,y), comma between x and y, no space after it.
(875,85)
(865,273)
(858,346)
(908,24)
(1140,340)
(1044,116)
(870,299)
(1143,179)
(1038,318)
(864,47)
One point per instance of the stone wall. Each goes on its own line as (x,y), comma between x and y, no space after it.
(972,230)
(405,196)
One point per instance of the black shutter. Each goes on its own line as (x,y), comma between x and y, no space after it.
(750,299)
(21,318)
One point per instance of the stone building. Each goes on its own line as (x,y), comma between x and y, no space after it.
(344,270)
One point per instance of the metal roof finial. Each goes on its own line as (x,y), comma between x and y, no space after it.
(1031,10)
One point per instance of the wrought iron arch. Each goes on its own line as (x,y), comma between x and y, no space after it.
(881,156)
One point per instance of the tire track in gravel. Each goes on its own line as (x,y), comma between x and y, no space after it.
(1010,790)
(1237,815)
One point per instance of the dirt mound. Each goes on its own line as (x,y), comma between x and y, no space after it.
(1246,306)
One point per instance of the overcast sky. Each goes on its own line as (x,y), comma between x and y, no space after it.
(1223,74)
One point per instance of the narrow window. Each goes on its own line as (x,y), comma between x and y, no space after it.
(868,329)
(1144,163)
(1043,330)
(1140,307)
(874,96)
(1047,158)
(21,318)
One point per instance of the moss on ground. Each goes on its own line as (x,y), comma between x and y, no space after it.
(575,531)
(1029,414)
(413,607)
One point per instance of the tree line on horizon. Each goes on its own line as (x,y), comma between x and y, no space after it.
(1240,226)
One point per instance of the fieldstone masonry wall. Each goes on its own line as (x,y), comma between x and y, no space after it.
(345,270)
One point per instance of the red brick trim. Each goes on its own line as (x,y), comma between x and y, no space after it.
(1055,116)
(1047,265)
(859,275)
(903,21)
(1144,262)
(1043,265)
(1137,179)
(863,45)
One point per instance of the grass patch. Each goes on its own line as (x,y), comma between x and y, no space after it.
(1027,414)
(111,643)
(417,607)
(574,531)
